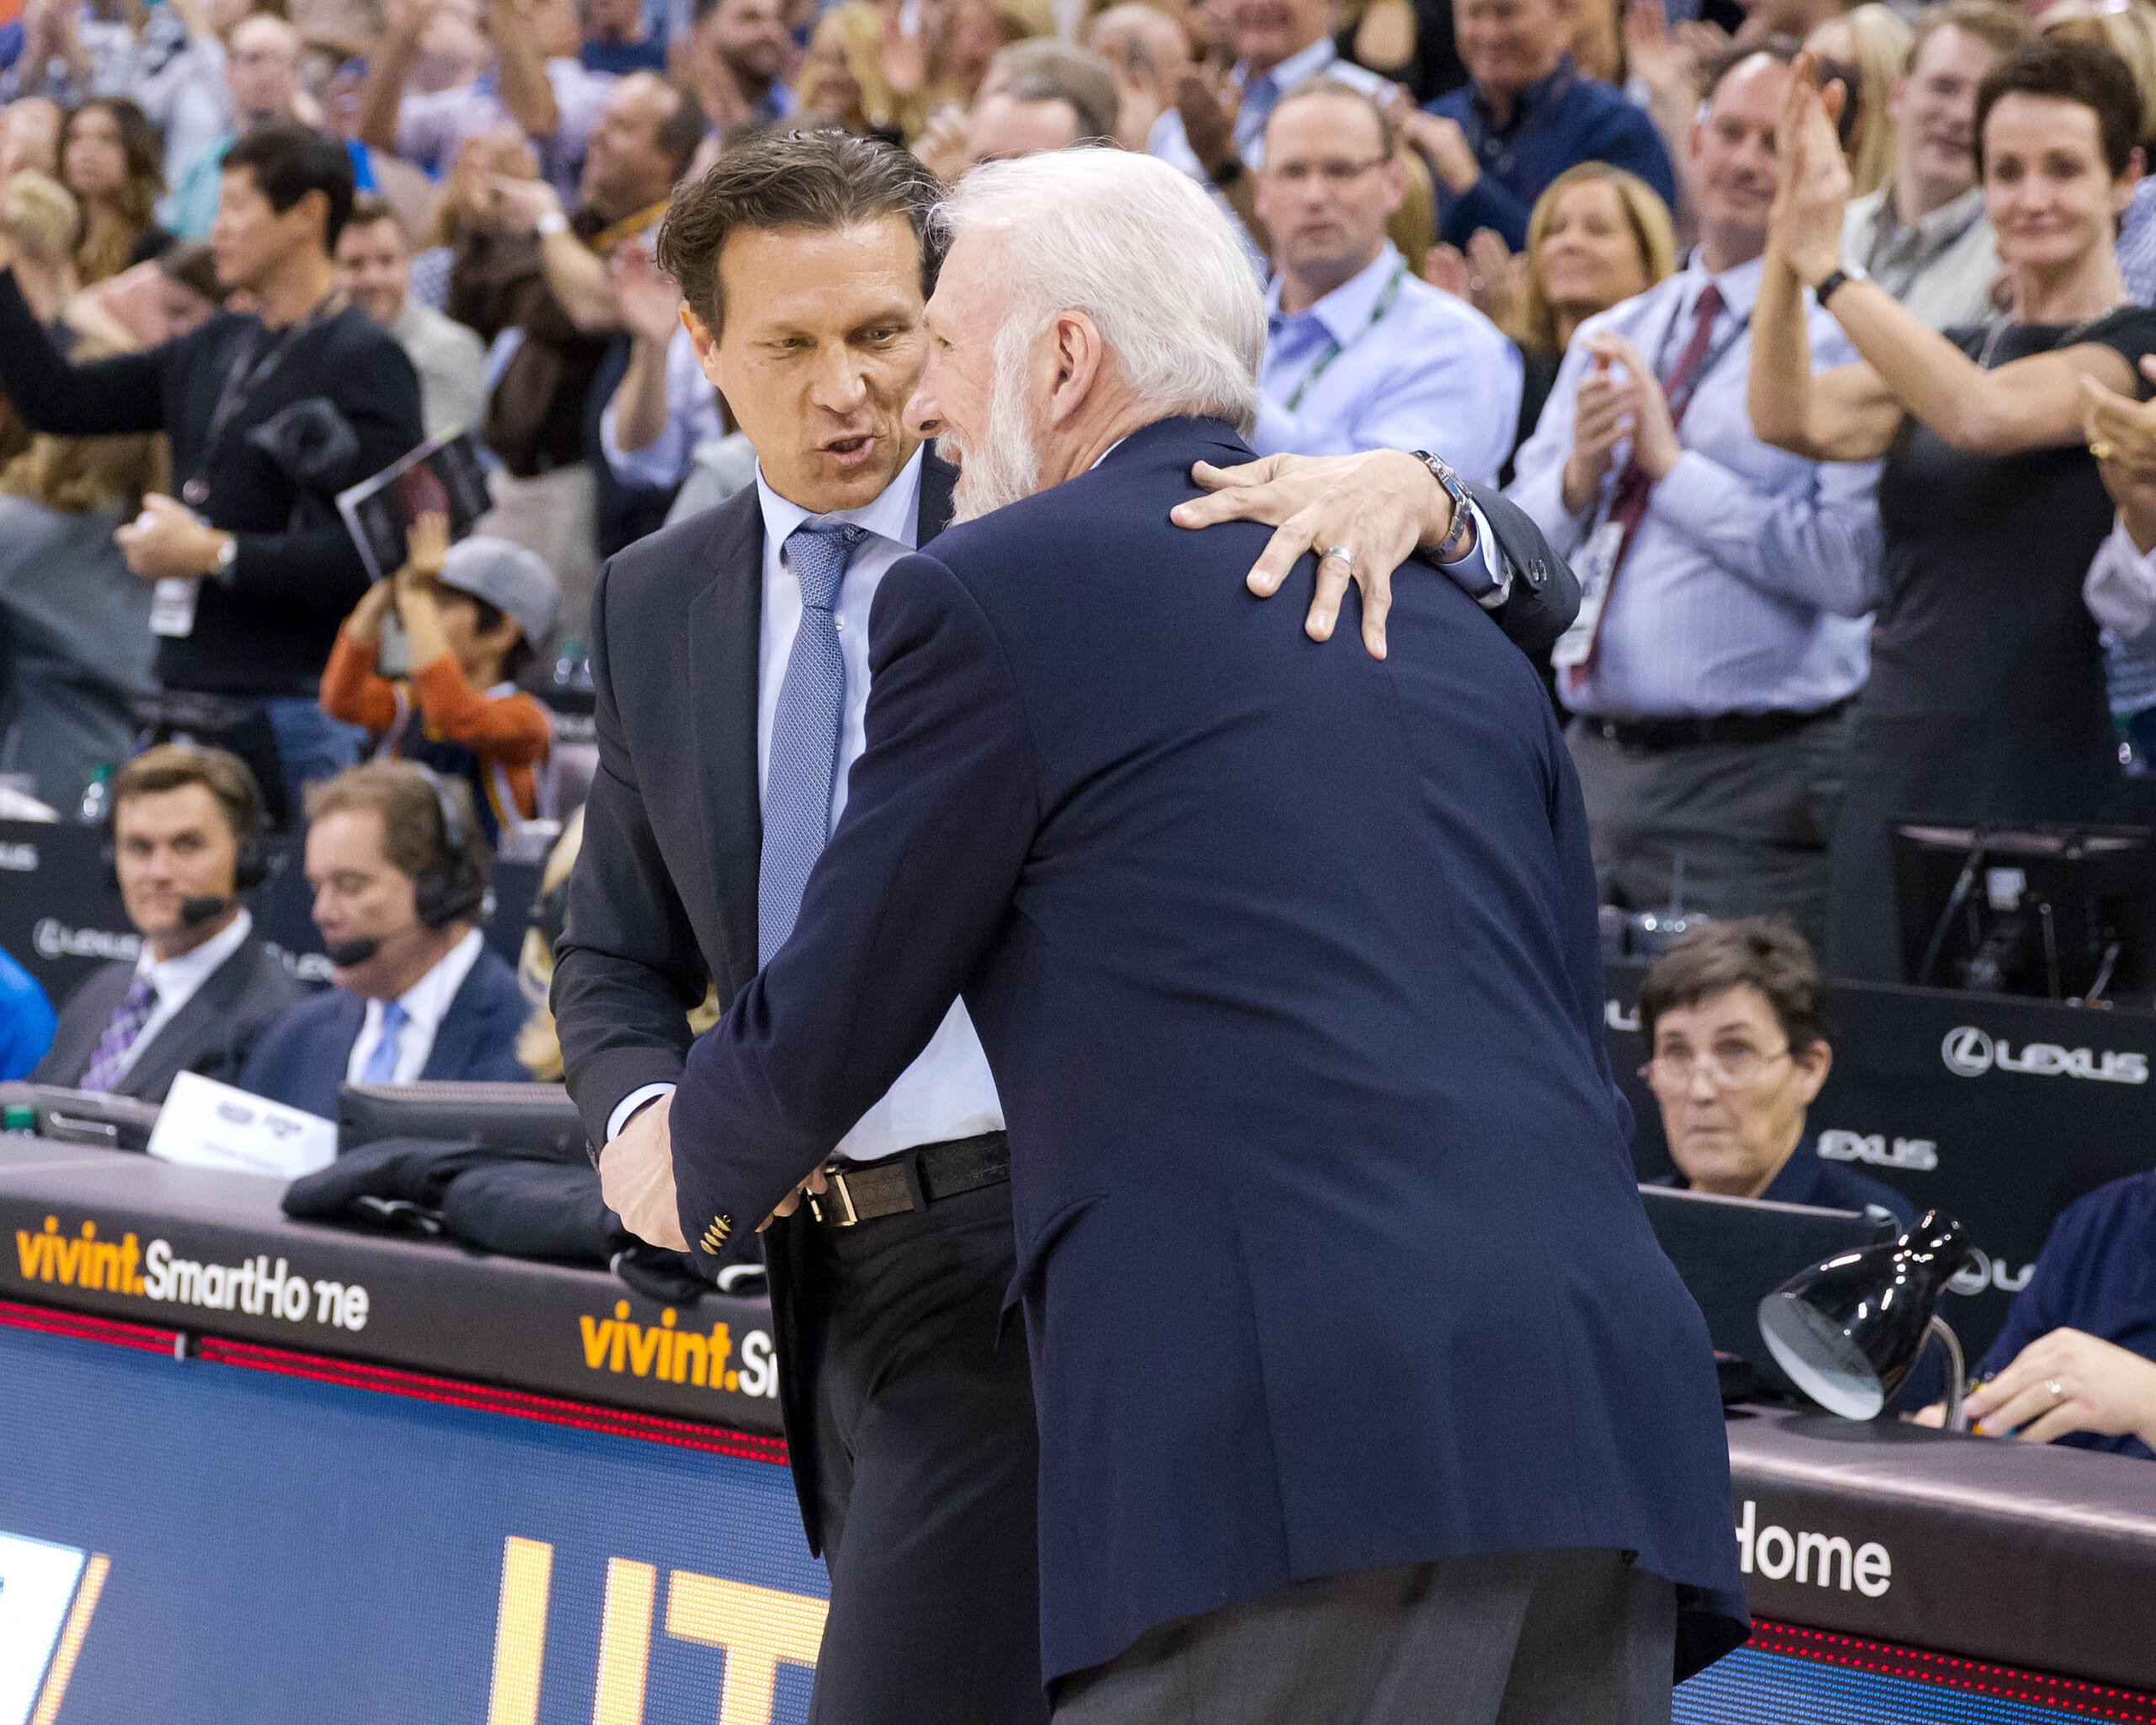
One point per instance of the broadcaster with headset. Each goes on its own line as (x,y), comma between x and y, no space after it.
(186,842)
(400,873)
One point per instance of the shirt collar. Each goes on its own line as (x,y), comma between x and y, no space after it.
(1530,100)
(894,516)
(1740,286)
(426,1002)
(179,978)
(1944,223)
(1346,311)
(1296,69)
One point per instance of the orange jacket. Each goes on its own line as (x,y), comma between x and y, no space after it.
(512,731)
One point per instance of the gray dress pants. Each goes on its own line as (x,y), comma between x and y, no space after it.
(1563,1638)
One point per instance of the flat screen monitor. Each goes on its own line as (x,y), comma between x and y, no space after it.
(1734,1251)
(2063,913)
(537,1118)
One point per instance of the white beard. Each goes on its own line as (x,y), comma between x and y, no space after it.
(1004,464)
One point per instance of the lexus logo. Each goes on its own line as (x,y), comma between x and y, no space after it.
(1970,1053)
(1967,1052)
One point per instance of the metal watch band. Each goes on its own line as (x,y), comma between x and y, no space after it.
(1462,522)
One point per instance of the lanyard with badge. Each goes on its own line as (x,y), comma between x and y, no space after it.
(255,356)
(1386,300)
(1596,566)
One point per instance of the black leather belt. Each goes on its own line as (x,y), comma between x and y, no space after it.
(913,1179)
(1717,728)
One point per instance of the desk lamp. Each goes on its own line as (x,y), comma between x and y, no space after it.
(1849,1331)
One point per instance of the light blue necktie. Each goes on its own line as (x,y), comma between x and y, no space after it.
(381,1061)
(1260,96)
(804,758)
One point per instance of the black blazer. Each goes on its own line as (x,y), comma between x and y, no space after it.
(212,1034)
(663,896)
(267,628)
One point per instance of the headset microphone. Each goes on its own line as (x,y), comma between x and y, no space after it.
(195,910)
(346,953)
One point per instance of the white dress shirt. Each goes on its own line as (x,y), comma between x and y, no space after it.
(2119,591)
(948,1091)
(692,419)
(426,1004)
(1748,584)
(176,981)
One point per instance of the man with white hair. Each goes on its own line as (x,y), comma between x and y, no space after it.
(1287,968)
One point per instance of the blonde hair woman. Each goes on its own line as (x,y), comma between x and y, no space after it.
(2126,27)
(1875,43)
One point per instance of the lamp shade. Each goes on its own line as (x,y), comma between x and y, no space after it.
(1848,1331)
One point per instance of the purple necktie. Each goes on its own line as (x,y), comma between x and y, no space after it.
(106,1067)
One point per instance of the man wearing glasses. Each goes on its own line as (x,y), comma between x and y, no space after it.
(1733,1016)
(1361,353)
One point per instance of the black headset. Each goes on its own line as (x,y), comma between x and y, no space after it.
(457,886)
(251,866)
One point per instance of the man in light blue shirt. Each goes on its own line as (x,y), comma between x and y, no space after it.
(1725,586)
(1359,353)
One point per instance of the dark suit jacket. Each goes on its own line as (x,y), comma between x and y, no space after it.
(300,1059)
(212,1034)
(663,898)
(1287,964)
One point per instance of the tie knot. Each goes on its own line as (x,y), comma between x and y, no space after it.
(394,1018)
(141,993)
(819,552)
(1710,304)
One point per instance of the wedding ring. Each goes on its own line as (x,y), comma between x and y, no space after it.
(2101,448)
(2055,1389)
(1340,552)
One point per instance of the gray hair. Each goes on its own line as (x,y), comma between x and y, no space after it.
(1144,251)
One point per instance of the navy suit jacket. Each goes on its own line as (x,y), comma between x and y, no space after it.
(1286,961)
(300,1059)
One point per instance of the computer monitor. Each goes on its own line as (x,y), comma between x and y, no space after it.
(92,1117)
(537,1118)
(2060,912)
(1734,1251)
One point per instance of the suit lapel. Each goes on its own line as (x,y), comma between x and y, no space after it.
(202,1024)
(84,1023)
(938,479)
(460,1029)
(725,624)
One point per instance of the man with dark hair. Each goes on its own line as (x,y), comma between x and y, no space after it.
(186,829)
(731,654)
(253,567)
(1734,1016)
(400,874)
(737,60)
(523,264)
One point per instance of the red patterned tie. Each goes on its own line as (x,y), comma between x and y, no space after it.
(1628,504)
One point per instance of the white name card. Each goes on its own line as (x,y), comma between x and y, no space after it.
(206,1124)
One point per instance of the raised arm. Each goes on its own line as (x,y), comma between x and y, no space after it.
(2028,404)
(520,69)
(1848,413)
(121,394)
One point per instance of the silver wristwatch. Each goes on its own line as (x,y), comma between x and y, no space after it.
(1463,522)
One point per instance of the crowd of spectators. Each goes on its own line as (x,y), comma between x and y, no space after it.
(1816,338)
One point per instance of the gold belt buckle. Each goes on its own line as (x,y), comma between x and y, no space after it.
(837,1187)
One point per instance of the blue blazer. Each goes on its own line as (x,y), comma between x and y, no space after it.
(300,1060)
(1286,961)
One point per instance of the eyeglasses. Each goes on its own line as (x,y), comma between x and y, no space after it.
(1333,174)
(1732,1067)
